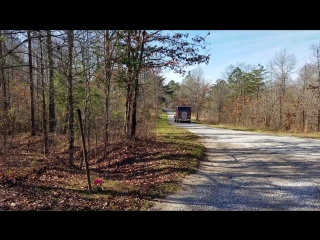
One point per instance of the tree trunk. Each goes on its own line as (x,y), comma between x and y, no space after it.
(44,110)
(134,109)
(4,117)
(128,107)
(136,84)
(52,117)
(33,130)
(107,63)
(70,34)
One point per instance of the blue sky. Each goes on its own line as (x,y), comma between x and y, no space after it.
(229,47)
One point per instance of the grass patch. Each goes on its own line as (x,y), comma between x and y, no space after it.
(184,157)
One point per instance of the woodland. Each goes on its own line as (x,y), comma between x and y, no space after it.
(74,100)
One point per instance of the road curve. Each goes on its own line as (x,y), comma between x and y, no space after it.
(246,171)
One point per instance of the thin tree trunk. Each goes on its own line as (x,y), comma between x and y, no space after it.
(128,108)
(280,111)
(44,115)
(129,90)
(4,119)
(33,130)
(134,109)
(318,69)
(86,119)
(70,34)
(94,124)
(156,96)
(107,62)
(37,110)
(136,88)
(84,151)
(52,117)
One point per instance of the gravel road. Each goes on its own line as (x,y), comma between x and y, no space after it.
(247,171)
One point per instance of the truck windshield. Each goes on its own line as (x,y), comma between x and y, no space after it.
(184,108)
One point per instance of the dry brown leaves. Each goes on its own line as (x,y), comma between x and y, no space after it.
(131,173)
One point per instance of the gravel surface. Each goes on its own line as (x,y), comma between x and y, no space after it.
(249,172)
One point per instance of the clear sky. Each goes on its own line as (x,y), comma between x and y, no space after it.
(230,47)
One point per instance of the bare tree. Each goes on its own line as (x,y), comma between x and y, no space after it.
(4,102)
(195,89)
(316,53)
(70,36)
(306,78)
(32,108)
(52,117)
(44,108)
(281,67)
(219,92)
(109,51)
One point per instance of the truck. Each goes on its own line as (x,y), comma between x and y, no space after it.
(183,114)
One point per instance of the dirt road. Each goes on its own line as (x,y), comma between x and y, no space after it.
(249,172)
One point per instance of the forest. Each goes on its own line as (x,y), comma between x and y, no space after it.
(109,78)
(113,80)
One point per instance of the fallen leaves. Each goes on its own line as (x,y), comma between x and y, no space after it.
(131,172)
